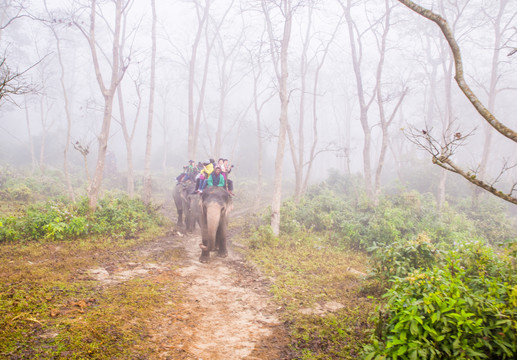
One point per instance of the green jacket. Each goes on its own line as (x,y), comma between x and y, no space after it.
(214,181)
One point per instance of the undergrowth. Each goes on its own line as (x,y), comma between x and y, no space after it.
(322,301)
(450,289)
(116,216)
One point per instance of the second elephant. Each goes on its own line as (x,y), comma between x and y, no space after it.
(186,205)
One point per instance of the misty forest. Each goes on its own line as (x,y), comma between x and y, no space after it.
(258,179)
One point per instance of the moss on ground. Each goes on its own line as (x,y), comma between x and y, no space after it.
(50,307)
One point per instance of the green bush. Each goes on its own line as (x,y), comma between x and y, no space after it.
(402,257)
(17,192)
(464,308)
(115,216)
(263,237)
(350,222)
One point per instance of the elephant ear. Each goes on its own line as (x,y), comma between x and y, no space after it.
(229,207)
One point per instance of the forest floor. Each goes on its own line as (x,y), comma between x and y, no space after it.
(151,298)
(147,300)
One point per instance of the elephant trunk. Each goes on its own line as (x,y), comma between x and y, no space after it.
(213,216)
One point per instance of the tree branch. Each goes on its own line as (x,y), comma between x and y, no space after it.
(458,62)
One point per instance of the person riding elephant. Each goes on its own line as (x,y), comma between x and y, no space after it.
(215,206)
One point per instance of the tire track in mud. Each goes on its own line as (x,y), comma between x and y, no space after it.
(235,317)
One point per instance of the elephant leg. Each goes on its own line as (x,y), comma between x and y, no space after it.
(180,217)
(205,253)
(187,222)
(221,240)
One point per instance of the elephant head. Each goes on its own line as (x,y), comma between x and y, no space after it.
(215,205)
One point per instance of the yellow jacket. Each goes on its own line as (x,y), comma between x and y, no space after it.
(207,170)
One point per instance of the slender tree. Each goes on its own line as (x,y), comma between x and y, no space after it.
(108,92)
(148,148)
(202,16)
(356,52)
(384,119)
(66,105)
(280,62)
(500,25)
(258,105)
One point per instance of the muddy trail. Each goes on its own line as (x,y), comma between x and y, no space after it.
(228,313)
(225,311)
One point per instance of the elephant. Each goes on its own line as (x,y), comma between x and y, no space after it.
(192,212)
(215,206)
(184,199)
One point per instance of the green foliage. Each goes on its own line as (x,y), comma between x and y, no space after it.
(402,257)
(121,216)
(491,219)
(115,216)
(263,237)
(452,296)
(17,192)
(353,222)
(463,308)
(18,186)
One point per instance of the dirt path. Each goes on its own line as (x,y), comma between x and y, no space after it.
(225,312)
(234,318)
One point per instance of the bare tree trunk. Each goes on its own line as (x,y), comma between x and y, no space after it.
(298,159)
(108,93)
(209,46)
(192,79)
(356,52)
(66,104)
(220,118)
(312,155)
(492,95)
(257,74)
(284,102)
(31,141)
(128,135)
(441,189)
(165,127)
(71,194)
(380,103)
(148,149)
(384,121)
(201,100)
(225,87)
(43,119)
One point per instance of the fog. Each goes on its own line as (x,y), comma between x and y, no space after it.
(229,56)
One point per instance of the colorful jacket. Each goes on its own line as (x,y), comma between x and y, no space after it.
(215,180)
(207,170)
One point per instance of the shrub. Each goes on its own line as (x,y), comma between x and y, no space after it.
(116,216)
(263,237)
(464,309)
(17,192)
(402,257)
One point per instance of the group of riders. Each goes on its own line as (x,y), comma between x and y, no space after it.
(207,174)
